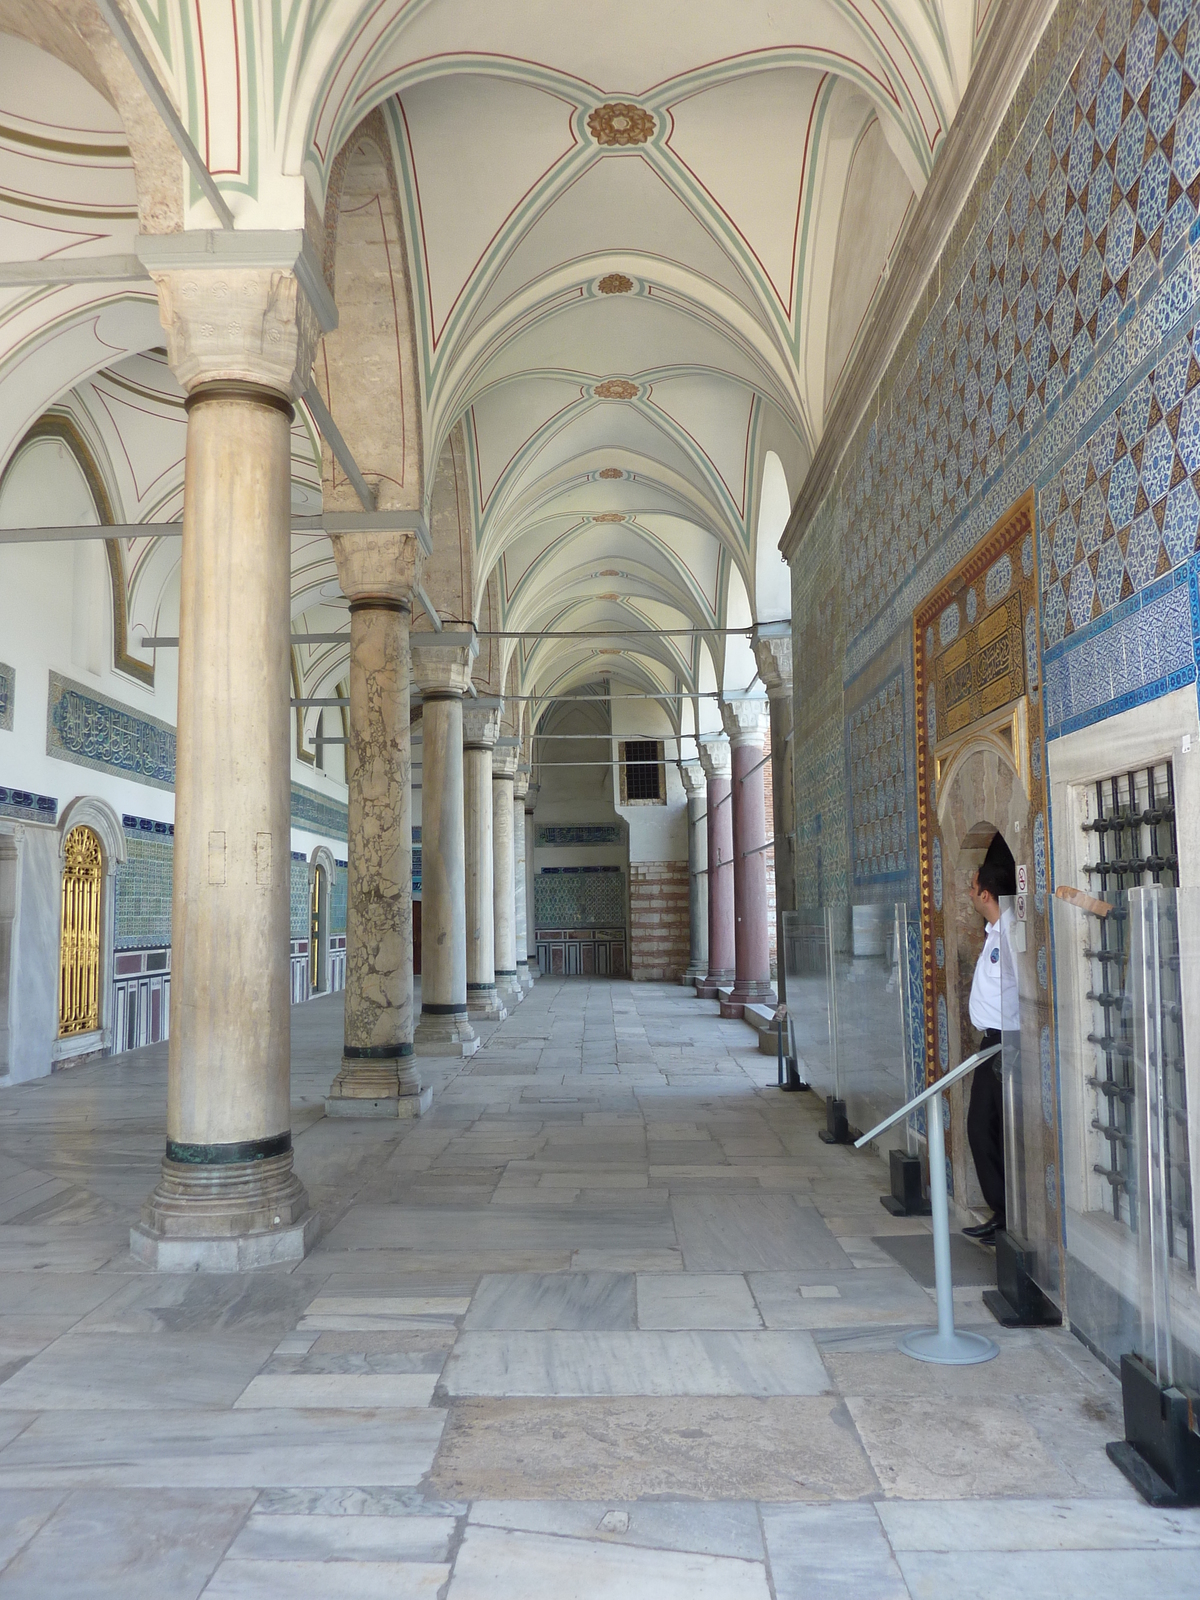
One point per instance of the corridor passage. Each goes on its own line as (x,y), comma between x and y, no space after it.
(609,1321)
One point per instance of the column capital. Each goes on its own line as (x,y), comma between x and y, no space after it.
(505,755)
(520,784)
(384,567)
(240,307)
(694,781)
(773,656)
(746,722)
(481,723)
(531,796)
(715,758)
(441,662)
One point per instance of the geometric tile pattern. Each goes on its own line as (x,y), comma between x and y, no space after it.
(8,679)
(1125,509)
(579,897)
(301,909)
(25,807)
(1141,649)
(1110,184)
(879,830)
(142,890)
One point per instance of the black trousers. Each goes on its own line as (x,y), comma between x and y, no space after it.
(985,1126)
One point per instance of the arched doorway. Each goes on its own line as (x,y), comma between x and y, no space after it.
(79,943)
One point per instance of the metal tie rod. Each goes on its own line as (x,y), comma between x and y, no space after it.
(948,1347)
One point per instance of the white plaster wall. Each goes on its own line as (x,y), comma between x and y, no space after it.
(656,833)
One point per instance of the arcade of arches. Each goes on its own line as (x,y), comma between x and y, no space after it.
(540,546)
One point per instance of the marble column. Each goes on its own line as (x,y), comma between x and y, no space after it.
(504,860)
(520,787)
(481,728)
(695,785)
(746,723)
(530,878)
(714,761)
(773,653)
(378,1078)
(442,669)
(228,1198)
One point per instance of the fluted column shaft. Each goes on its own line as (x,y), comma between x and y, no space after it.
(714,759)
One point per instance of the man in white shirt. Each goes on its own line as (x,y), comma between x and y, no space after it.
(992,988)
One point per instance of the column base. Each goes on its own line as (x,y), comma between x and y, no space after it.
(227,1216)
(509,988)
(401,1106)
(486,1004)
(445,1033)
(524,978)
(533,971)
(376,1086)
(693,976)
(706,987)
(753,991)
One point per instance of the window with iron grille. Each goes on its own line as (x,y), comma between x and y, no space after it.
(642,776)
(1131,843)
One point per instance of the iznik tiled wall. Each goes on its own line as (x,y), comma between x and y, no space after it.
(1060,354)
(142,891)
(579,897)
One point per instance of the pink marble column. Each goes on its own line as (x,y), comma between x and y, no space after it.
(746,723)
(714,758)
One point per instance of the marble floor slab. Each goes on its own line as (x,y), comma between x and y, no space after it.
(695,1300)
(105,1543)
(498,1564)
(1037,1524)
(318,1537)
(327,1580)
(834,1552)
(564,1300)
(108,1371)
(350,1391)
(640,1363)
(761,1233)
(1051,1575)
(728,1528)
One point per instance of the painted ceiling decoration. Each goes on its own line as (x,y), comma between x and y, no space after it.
(641,258)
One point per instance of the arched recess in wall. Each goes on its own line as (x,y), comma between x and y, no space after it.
(321,871)
(772,577)
(87,827)
(58,426)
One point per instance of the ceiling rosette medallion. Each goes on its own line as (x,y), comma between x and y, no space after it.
(609,516)
(617,124)
(615,389)
(615,283)
(610,472)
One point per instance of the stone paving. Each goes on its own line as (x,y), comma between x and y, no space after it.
(609,1321)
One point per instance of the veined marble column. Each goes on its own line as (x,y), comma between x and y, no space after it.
(442,669)
(532,967)
(773,653)
(746,723)
(240,341)
(714,760)
(378,1078)
(520,788)
(504,859)
(481,728)
(695,786)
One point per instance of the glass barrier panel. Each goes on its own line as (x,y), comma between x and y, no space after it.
(806,954)
(1164,994)
(871,1018)
(1027,1075)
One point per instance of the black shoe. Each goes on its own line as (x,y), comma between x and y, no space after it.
(985,1232)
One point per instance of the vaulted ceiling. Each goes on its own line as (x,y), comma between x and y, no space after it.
(643,240)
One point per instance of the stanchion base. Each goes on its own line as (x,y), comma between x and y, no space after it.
(959,1350)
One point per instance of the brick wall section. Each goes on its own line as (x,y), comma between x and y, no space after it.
(659,936)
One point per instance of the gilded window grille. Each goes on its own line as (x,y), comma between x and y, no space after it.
(79,954)
(314,933)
